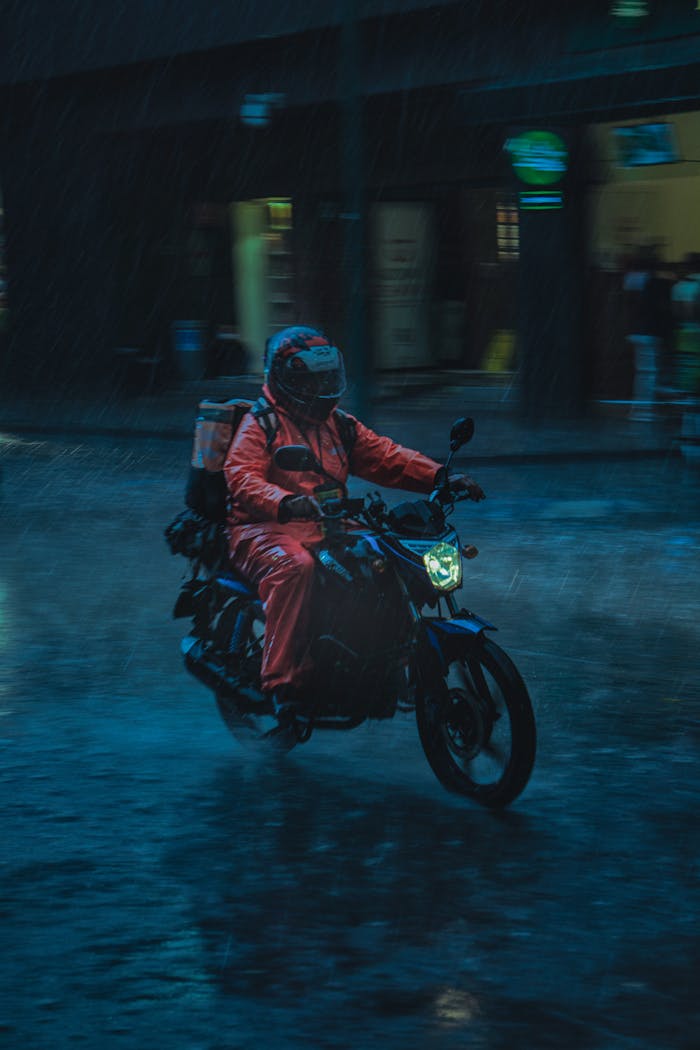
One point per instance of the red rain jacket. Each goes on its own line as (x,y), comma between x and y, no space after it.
(258,486)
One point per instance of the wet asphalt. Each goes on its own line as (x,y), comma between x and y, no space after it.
(162,887)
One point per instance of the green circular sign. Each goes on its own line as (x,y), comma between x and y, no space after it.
(539,158)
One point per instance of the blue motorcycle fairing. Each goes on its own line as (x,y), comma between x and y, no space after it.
(369,538)
(412,558)
(447,636)
(233,583)
(466,621)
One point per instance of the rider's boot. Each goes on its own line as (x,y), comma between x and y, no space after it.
(285,705)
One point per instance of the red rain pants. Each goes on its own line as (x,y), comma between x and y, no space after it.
(274,557)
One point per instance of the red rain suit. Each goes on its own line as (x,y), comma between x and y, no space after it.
(276,556)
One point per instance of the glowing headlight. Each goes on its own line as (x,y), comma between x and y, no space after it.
(443,563)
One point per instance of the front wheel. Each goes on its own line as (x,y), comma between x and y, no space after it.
(477,727)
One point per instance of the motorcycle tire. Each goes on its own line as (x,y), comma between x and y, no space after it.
(477,727)
(254,730)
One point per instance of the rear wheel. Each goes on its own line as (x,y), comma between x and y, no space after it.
(245,712)
(477,727)
(254,730)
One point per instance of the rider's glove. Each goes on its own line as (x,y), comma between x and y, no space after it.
(299,508)
(463,483)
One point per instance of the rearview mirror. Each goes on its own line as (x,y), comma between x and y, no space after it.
(296,458)
(462,432)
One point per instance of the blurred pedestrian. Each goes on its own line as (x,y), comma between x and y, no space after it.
(649,326)
(685,298)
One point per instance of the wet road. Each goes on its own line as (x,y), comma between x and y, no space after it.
(162,887)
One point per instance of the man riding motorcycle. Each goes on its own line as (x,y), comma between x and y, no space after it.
(273,514)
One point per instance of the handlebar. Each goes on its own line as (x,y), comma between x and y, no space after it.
(373,509)
(345,507)
(446,496)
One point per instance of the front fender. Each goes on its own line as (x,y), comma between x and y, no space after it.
(447,639)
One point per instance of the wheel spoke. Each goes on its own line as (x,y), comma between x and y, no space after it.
(479,679)
(476,725)
(248,725)
(477,728)
(497,752)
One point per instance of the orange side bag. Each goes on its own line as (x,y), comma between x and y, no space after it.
(215,426)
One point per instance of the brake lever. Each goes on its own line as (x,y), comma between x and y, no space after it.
(333,508)
(442,495)
(345,507)
(376,507)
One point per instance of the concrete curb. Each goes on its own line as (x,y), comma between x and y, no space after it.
(417,413)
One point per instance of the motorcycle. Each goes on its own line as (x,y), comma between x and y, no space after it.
(387,636)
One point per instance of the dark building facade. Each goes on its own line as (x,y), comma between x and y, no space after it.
(211,172)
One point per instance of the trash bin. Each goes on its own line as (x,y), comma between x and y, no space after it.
(189,347)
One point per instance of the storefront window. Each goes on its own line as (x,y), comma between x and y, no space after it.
(279,213)
(507,230)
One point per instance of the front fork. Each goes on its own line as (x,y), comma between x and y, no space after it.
(416,617)
(429,665)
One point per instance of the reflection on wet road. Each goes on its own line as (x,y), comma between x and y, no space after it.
(161,887)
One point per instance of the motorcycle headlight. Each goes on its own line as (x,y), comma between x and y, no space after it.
(443,563)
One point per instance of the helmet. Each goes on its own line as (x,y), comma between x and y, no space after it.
(305,372)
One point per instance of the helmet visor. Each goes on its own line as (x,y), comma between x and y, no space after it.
(318,372)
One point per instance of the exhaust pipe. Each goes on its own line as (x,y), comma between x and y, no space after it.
(207,670)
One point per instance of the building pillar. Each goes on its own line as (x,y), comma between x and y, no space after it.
(550,327)
(354,214)
(61,243)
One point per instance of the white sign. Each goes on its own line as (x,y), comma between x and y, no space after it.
(402,278)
